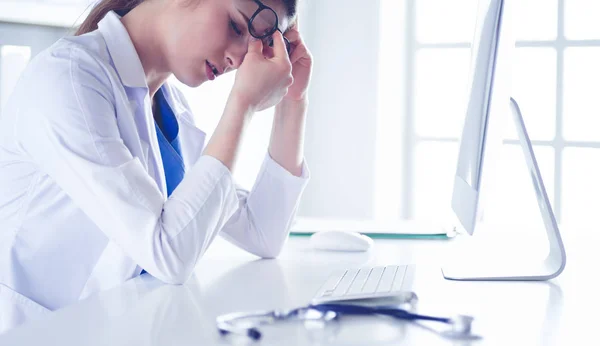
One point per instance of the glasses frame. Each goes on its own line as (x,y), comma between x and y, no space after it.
(269,34)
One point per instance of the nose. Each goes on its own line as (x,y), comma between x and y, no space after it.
(235,56)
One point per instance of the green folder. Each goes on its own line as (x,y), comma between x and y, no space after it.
(386,235)
(409,229)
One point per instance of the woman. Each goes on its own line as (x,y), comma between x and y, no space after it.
(105,176)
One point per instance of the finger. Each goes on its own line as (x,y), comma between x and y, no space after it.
(268,51)
(299,50)
(292,35)
(292,49)
(255,46)
(279,45)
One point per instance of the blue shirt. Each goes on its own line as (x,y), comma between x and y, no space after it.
(167,130)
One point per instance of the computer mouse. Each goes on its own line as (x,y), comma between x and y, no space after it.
(340,241)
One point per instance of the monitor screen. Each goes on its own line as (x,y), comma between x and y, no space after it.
(489,98)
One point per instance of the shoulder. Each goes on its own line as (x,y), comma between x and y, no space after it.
(70,60)
(59,73)
(91,45)
(69,85)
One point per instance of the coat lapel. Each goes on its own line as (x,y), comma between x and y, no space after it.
(191,138)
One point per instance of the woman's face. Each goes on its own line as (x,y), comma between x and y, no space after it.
(206,34)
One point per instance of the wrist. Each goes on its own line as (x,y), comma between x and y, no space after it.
(239,106)
(300,102)
(292,106)
(291,115)
(241,101)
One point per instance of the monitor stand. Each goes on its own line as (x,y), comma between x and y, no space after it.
(484,266)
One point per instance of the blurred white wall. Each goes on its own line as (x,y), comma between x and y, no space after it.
(58,13)
(343,36)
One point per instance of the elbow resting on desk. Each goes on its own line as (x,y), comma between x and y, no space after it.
(256,221)
(175,266)
(264,240)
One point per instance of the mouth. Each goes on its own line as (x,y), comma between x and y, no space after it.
(214,71)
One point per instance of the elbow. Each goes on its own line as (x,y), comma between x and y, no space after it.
(178,277)
(271,251)
(175,271)
(175,258)
(273,246)
(269,254)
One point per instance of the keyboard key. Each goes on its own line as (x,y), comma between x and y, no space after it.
(373,280)
(385,285)
(359,281)
(399,279)
(333,281)
(363,283)
(345,283)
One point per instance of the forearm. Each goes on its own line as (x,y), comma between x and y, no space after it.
(224,143)
(287,136)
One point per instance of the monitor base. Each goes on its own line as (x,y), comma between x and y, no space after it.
(485,269)
(507,266)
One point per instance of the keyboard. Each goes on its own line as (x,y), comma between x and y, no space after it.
(373,282)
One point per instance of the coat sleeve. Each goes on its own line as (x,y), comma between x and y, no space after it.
(262,223)
(70,132)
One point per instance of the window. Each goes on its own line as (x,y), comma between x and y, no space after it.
(556,80)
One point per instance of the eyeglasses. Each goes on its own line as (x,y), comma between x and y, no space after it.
(263,24)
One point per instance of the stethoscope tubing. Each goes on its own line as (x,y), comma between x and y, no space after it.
(393,311)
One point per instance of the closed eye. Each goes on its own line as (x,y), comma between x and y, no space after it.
(235,28)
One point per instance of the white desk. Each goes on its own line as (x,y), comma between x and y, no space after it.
(146,312)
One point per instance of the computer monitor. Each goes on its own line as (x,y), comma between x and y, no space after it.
(488,108)
(489,93)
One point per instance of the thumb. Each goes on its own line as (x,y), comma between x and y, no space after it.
(255,46)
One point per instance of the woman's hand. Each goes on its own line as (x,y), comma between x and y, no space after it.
(287,137)
(262,82)
(302,62)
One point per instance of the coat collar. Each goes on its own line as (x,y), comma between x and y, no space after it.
(126,59)
(122,51)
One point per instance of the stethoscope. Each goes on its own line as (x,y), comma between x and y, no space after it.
(231,323)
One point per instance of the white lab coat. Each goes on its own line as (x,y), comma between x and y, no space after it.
(83,202)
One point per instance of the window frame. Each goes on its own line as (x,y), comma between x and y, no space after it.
(412,139)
